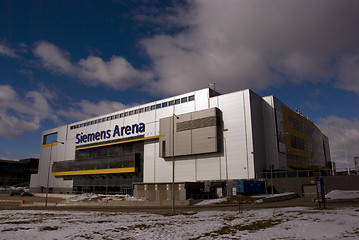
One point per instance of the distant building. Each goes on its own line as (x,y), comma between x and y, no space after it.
(17,173)
(211,137)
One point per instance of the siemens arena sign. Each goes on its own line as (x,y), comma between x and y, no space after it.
(107,134)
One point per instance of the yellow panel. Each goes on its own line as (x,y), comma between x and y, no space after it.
(296,165)
(291,132)
(114,143)
(298,152)
(49,144)
(95,171)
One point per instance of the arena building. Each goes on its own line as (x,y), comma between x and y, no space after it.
(190,139)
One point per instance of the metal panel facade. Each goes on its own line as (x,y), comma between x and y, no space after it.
(217,137)
(190,133)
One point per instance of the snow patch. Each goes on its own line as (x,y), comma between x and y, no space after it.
(340,194)
(286,223)
(211,201)
(102,198)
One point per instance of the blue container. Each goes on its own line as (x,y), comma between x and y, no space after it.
(245,187)
(260,186)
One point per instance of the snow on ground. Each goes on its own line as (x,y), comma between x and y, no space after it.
(340,194)
(212,201)
(272,195)
(286,223)
(336,194)
(102,198)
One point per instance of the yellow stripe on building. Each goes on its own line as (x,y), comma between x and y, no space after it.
(49,144)
(95,171)
(121,142)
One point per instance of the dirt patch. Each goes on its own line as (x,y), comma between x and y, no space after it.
(251,227)
(15,229)
(48,228)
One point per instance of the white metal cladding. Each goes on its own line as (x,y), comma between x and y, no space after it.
(238,137)
(249,138)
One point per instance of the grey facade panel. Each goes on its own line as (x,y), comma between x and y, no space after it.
(258,125)
(195,133)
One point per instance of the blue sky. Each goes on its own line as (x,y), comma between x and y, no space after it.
(64,61)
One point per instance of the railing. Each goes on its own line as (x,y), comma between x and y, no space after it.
(306,173)
(120,191)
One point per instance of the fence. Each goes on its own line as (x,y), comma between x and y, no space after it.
(306,173)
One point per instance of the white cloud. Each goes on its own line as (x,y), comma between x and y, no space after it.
(116,73)
(236,44)
(343,137)
(255,44)
(8,52)
(86,109)
(9,155)
(53,58)
(348,73)
(22,114)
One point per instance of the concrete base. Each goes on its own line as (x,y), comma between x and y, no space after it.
(298,185)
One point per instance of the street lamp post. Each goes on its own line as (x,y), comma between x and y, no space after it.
(48,172)
(271,177)
(225,158)
(345,150)
(173,161)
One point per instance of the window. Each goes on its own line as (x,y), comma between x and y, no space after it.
(108,118)
(191,98)
(49,138)
(130,113)
(112,117)
(165,104)
(136,111)
(141,110)
(117,116)
(125,114)
(158,106)
(121,115)
(99,120)
(92,122)
(153,107)
(147,109)
(177,101)
(171,102)
(103,119)
(71,127)
(183,100)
